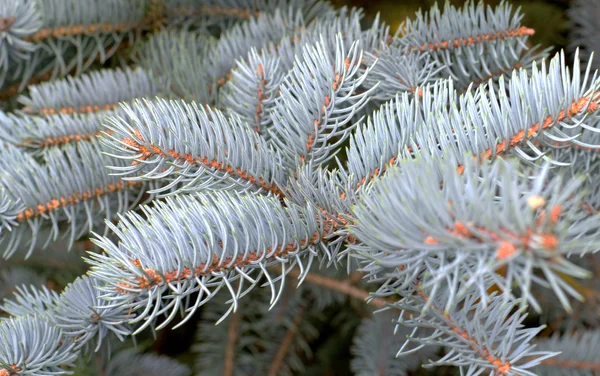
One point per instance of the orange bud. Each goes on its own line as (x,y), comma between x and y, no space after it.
(506,249)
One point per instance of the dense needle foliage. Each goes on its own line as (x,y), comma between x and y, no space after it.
(293,183)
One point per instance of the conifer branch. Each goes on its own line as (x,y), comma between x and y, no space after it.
(76,197)
(469,41)
(313,112)
(38,134)
(473,42)
(31,344)
(202,149)
(578,353)
(501,367)
(448,233)
(252,91)
(478,123)
(92,92)
(572,364)
(50,36)
(217,57)
(131,270)
(58,192)
(451,222)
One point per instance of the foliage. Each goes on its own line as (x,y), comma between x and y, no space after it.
(268,166)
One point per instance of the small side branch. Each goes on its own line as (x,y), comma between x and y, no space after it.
(72,199)
(572,364)
(478,39)
(232,339)
(343,287)
(287,341)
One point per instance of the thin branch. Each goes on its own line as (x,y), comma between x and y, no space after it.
(232,339)
(72,199)
(214,164)
(562,363)
(287,342)
(83,109)
(478,39)
(343,287)
(502,368)
(40,143)
(153,278)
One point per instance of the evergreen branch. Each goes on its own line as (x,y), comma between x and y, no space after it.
(252,90)
(32,345)
(501,366)
(17,20)
(72,187)
(289,49)
(317,103)
(30,301)
(344,24)
(577,354)
(75,30)
(183,82)
(325,189)
(455,242)
(82,314)
(454,28)
(443,122)
(136,268)
(67,37)
(376,145)
(13,89)
(572,364)
(37,134)
(397,70)
(72,199)
(471,43)
(490,338)
(93,92)
(199,147)
(36,69)
(216,57)
(523,60)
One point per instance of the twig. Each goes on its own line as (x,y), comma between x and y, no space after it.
(343,287)
(232,338)
(287,342)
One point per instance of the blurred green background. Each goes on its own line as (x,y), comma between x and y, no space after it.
(547,17)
